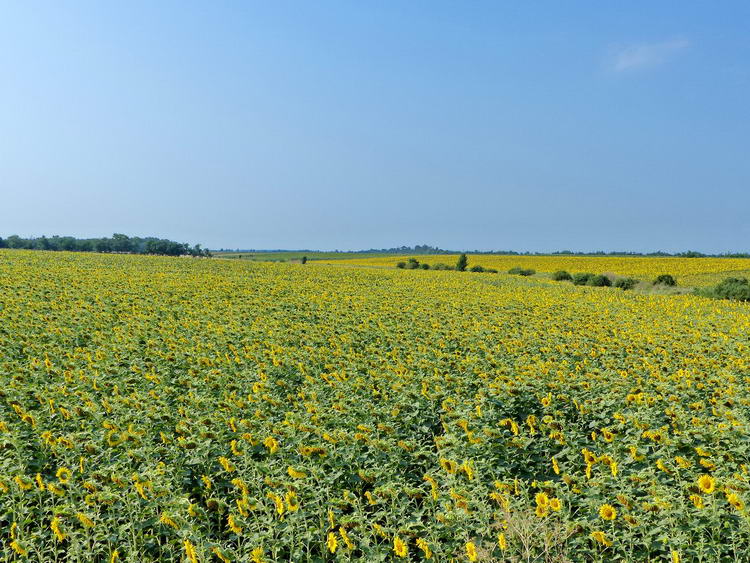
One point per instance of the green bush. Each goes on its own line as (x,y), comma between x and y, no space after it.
(521,271)
(729,288)
(424,266)
(401,265)
(561,275)
(477,268)
(626,283)
(665,279)
(582,278)
(441,266)
(599,280)
(412,264)
(490,270)
(462,262)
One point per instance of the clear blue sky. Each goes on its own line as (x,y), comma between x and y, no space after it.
(487,125)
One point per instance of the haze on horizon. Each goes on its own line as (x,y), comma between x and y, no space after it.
(343,125)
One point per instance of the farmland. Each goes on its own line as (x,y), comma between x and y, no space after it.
(168,409)
(688,271)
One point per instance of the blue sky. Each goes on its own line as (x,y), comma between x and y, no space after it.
(343,125)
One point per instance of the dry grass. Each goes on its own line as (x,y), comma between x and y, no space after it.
(530,539)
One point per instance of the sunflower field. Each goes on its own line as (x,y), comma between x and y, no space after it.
(698,272)
(177,409)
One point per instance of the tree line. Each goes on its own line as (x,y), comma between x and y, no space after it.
(116,243)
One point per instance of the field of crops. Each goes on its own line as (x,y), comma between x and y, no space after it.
(688,271)
(168,409)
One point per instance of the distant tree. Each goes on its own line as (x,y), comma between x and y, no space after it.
(121,243)
(304,259)
(462,262)
(2,243)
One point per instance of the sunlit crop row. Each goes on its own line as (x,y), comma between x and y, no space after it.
(168,409)
(688,271)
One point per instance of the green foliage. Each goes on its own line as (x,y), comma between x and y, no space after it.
(599,280)
(424,266)
(730,288)
(517,271)
(462,262)
(441,266)
(412,264)
(665,279)
(477,268)
(561,275)
(582,278)
(117,243)
(626,283)
(401,265)
(304,259)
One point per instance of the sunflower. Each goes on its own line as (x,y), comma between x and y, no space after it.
(607,512)
(471,551)
(332,543)
(421,544)
(599,537)
(735,501)
(502,542)
(399,547)
(707,484)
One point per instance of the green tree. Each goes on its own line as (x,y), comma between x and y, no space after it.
(463,261)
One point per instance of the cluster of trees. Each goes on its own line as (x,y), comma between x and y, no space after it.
(116,243)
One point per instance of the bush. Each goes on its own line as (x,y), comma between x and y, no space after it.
(401,265)
(665,279)
(490,270)
(581,278)
(412,264)
(521,271)
(626,283)
(729,288)
(477,268)
(424,266)
(463,261)
(561,275)
(599,280)
(441,266)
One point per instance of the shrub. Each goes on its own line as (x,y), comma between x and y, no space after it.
(463,261)
(561,275)
(477,268)
(599,280)
(424,266)
(521,271)
(665,279)
(490,270)
(412,264)
(401,265)
(581,278)
(441,266)
(626,283)
(729,288)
